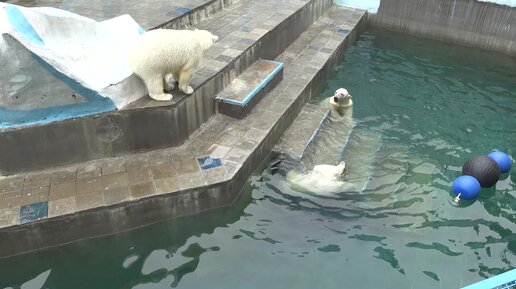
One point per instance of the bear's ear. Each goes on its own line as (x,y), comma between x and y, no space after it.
(196,29)
(214,38)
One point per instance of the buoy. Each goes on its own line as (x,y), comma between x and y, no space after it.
(480,172)
(503,160)
(465,187)
(482,168)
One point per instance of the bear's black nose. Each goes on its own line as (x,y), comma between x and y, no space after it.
(336,99)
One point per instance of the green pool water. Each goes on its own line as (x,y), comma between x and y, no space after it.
(421,109)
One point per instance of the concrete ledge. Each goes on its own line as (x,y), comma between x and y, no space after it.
(301,133)
(239,98)
(195,15)
(150,15)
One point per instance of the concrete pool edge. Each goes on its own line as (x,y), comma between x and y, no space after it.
(272,117)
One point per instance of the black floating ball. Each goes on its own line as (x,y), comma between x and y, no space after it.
(482,168)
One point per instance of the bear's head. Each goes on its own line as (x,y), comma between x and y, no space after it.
(205,38)
(341,98)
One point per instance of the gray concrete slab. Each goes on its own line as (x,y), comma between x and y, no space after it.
(302,131)
(245,91)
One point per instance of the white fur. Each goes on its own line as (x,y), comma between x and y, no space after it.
(322,179)
(325,179)
(341,99)
(163,52)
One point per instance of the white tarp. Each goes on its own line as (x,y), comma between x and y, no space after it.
(93,54)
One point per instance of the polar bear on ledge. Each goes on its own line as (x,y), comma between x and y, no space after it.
(163,52)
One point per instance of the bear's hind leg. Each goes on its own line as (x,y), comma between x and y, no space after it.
(169,83)
(154,84)
(184,80)
(175,75)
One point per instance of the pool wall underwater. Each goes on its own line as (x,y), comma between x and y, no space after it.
(484,25)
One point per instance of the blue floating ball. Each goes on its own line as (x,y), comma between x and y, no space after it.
(503,160)
(467,186)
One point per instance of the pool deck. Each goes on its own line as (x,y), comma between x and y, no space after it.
(149,14)
(55,206)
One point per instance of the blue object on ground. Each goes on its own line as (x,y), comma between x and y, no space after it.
(208,162)
(33,212)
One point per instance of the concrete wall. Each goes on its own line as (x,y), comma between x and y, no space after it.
(466,22)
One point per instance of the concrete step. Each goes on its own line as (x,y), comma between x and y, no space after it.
(248,30)
(245,91)
(360,156)
(300,135)
(329,145)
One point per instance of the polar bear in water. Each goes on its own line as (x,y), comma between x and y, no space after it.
(322,179)
(341,99)
(325,178)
